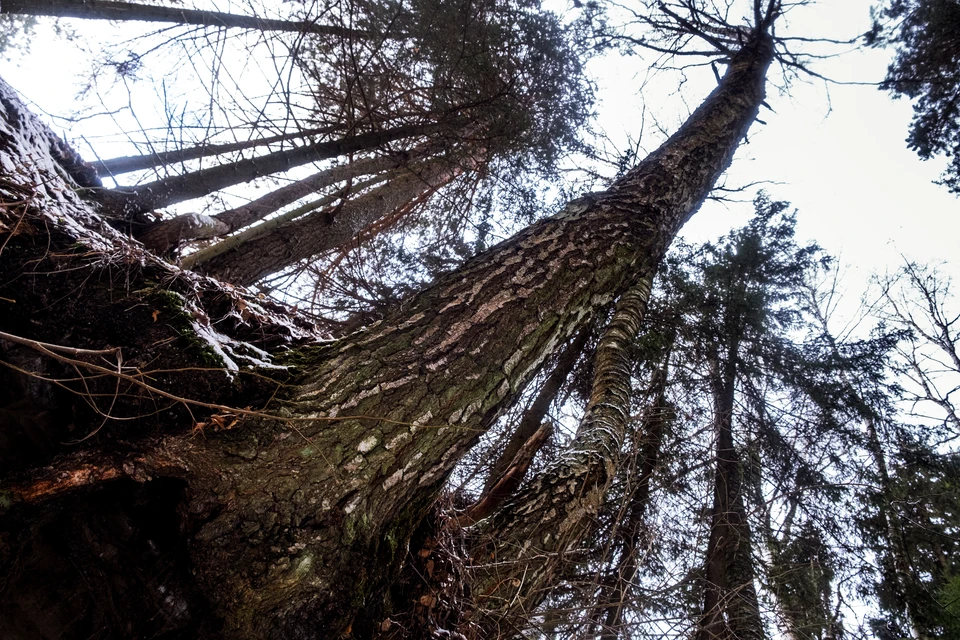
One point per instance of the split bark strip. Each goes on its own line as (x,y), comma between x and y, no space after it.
(107,10)
(535,533)
(630,533)
(128,202)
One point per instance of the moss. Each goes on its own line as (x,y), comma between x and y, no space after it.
(304,357)
(173,310)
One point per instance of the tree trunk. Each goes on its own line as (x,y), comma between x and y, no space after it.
(894,529)
(233,219)
(534,533)
(630,533)
(289,242)
(730,607)
(295,522)
(106,10)
(533,417)
(128,202)
(260,208)
(126,164)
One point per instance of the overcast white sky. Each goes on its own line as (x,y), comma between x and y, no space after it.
(838,151)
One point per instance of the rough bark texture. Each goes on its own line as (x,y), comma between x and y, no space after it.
(631,533)
(294,524)
(535,533)
(534,417)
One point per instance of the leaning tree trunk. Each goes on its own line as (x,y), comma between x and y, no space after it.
(295,521)
(108,10)
(534,534)
(129,202)
(634,530)
(283,242)
(127,164)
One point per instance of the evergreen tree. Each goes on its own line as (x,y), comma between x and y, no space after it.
(926,38)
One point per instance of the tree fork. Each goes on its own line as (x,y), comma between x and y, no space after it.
(369,481)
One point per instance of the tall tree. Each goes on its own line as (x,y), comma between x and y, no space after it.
(740,311)
(293,520)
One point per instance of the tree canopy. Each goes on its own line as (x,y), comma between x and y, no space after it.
(924,34)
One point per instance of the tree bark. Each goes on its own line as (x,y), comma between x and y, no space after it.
(630,533)
(534,533)
(533,417)
(106,10)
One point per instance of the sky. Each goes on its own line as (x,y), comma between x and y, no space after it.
(835,151)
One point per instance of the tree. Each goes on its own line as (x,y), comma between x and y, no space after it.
(293,519)
(924,69)
(404,123)
(737,305)
(912,516)
(107,10)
